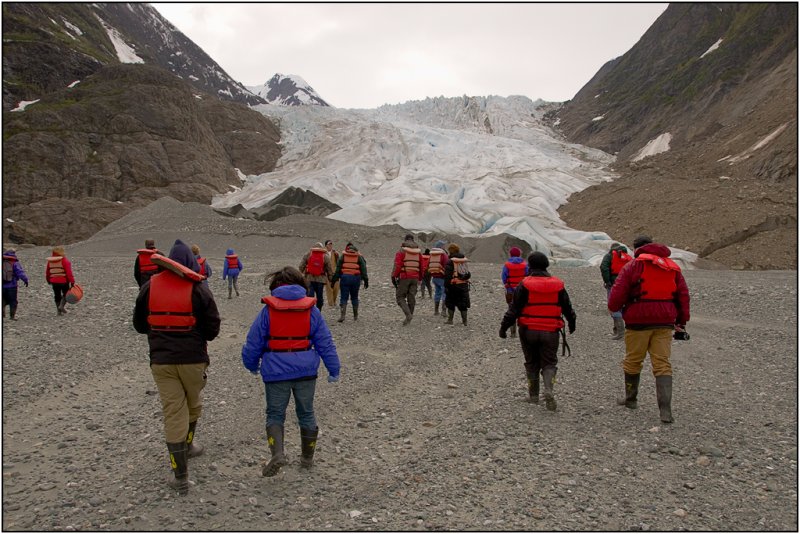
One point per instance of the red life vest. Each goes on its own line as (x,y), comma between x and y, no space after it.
(516,272)
(658,278)
(619,259)
(542,312)
(350,264)
(170,303)
(202,263)
(315,265)
(411,260)
(57,270)
(233,261)
(435,263)
(145,264)
(289,324)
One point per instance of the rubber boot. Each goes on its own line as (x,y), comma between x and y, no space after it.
(450,314)
(308,444)
(513,330)
(464,317)
(549,377)
(614,330)
(619,328)
(436,308)
(344,311)
(278,460)
(62,306)
(177,459)
(533,388)
(355,312)
(12,313)
(631,392)
(230,292)
(664,396)
(193,449)
(58,308)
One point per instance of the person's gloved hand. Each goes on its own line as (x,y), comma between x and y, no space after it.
(503,334)
(572,329)
(607,285)
(26,284)
(71,284)
(394,282)
(254,373)
(366,284)
(332,379)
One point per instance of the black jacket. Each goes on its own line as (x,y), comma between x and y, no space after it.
(520,300)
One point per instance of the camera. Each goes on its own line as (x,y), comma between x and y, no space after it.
(681,336)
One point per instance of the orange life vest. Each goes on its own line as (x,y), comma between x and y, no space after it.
(542,312)
(435,264)
(233,261)
(145,263)
(57,267)
(411,260)
(618,260)
(202,263)
(350,264)
(658,278)
(170,303)
(289,324)
(457,266)
(516,272)
(315,265)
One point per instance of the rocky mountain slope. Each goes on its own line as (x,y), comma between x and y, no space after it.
(291,90)
(716,85)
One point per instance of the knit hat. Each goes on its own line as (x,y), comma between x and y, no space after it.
(409,237)
(439,244)
(641,241)
(350,246)
(328,241)
(149,243)
(515,251)
(538,261)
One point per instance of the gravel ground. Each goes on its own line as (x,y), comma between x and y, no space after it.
(428,428)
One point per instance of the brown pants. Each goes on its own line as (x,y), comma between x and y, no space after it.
(333,292)
(656,341)
(181,390)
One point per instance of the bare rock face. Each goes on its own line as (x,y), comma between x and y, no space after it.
(295,201)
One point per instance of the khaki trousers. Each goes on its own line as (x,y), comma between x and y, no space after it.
(181,390)
(333,292)
(656,341)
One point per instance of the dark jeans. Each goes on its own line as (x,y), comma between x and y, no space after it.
(349,286)
(317,289)
(59,292)
(10,296)
(540,349)
(278,394)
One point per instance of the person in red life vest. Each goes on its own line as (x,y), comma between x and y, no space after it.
(350,270)
(143,268)
(426,276)
(436,265)
(58,274)
(286,342)
(613,262)
(332,257)
(654,299)
(456,283)
(318,272)
(180,317)
(12,273)
(538,305)
(514,270)
(205,267)
(406,275)
(231,270)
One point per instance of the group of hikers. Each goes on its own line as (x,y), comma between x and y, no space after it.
(647,298)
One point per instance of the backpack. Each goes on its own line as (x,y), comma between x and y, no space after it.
(8,271)
(461,268)
(316,262)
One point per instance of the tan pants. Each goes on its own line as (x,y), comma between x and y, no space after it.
(181,390)
(333,293)
(657,341)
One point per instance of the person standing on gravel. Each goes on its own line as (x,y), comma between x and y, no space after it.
(426,276)
(654,299)
(318,273)
(143,268)
(514,270)
(456,282)
(286,342)
(436,265)
(12,273)
(351,270)
(406,275)
(231,270)
(205,267)
(538,305)
(180,317)
(613,262)
(58,274)
(332,257)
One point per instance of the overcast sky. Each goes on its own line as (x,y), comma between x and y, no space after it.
(365,55)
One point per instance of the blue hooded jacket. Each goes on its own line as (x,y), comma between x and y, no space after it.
(504,275)
(278,366)
(233,273)
(17,272)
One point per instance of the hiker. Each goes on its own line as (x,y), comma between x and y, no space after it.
(205,267)
(317,272)
(538,304)
(426,276)
(406,275)
(286,342)
(143,268)
(180,317)
(231,270)
(654,299)
(58,274)
(436,264)
(351,270)
(12,273)
(514,270)
(456,283)
(332,257)
(615,259)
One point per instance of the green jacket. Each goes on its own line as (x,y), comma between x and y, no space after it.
(605,265)
(362,264)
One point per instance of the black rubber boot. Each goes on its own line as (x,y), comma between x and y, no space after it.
(664,396)
(230,292)
(193,449)
(355,312)
(514,331)
(12,312)
(436,308)
(464,317)
(344,311)
(308,444)
(62,306)
(278,460)
(533,389)
(549,378)
(180,467)
(631,392)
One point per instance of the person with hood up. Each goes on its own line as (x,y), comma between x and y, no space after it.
(514,270)
(406,275)
(537,306)
(351,269)
(456,283)
(286,342)
(318,272)
(58,274)
(12,273)
(231,270)
(143,268)
(436,265)
(180,317)
(654,299)
(205,267)
(615,259)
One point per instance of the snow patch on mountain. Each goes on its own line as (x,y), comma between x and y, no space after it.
(654,146)
(125,52)
(287,90)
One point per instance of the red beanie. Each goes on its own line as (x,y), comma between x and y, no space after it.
(515,251)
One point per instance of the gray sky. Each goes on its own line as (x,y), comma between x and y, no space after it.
(364,55)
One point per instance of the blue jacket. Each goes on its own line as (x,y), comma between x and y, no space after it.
(18,273)
(504,276)
(226,272)
(278,366)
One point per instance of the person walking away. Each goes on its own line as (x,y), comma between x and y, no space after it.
(12,274)
(332,257)
(143,268)
(456,283)
(614,260)
(538,305)
(231,270)
(436,265)
(180,317)
(406,275)
(654,299)
(286,342)
(317,271)
(514,270)
(205,267)
(58,274)
(426,276)
(351,270)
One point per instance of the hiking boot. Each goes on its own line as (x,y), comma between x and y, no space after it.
(664,397)
(549,377)
(619,328)
(344,311)
(193,449)
(278,460)
(355,312)
(450,314)
(631,392)
(177,460)
(533,389)
(464,317)
(308,444)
